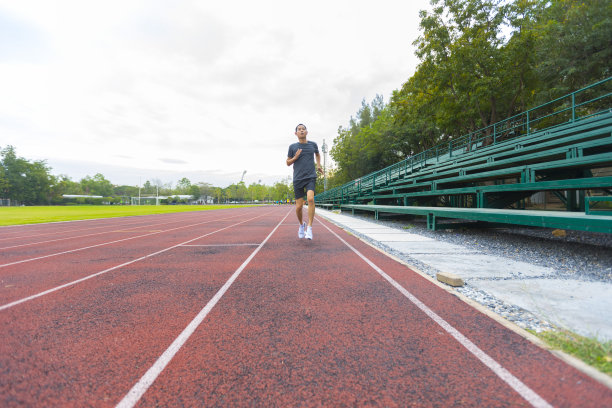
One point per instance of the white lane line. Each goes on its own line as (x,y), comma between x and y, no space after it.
(219,245)
(138,390)
(46,292)
(523,390)
(113,242)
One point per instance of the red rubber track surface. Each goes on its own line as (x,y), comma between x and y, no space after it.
(306,323)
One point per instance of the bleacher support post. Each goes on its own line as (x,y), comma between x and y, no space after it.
(431,221)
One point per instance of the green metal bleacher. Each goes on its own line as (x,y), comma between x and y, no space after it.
(489,174)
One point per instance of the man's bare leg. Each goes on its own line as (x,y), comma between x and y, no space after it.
(311,206)
(299,205)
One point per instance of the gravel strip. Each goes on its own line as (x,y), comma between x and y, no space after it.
(578,255)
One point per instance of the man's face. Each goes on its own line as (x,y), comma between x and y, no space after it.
(301,132)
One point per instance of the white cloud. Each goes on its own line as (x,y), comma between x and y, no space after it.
(212,88)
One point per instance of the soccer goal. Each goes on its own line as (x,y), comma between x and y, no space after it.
(145,200)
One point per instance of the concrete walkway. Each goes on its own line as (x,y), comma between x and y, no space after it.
(581,306)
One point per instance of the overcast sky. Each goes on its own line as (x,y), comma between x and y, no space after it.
(141,90)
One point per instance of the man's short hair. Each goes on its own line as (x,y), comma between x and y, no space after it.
(300,124)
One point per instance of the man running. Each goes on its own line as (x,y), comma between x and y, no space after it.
(302,155)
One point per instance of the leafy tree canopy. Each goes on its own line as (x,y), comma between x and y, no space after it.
(480,61)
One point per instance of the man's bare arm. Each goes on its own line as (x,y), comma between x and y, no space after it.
(291,160)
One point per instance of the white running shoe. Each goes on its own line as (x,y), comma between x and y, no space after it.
(301,230)
(309,233)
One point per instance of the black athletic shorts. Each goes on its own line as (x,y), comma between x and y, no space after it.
(300,187)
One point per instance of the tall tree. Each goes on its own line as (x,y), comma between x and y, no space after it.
(574,45)
(24,181)
(4,183)
(194,191)
(471,76)
(357,149)
(97,185)
(183,186)
(148,188)
(206,190)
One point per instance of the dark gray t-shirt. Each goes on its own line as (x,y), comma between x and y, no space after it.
(304,166)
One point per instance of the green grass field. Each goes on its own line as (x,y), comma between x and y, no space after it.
(36,215)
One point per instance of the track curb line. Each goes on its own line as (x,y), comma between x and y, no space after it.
(566,358)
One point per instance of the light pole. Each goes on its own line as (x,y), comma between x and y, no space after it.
(324,150)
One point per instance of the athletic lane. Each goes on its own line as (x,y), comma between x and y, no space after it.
(86,345)
(21,280)
(312,323)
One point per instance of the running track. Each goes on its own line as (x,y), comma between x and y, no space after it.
(229,308)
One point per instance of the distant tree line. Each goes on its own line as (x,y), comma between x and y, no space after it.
(480,61)
(31,183)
